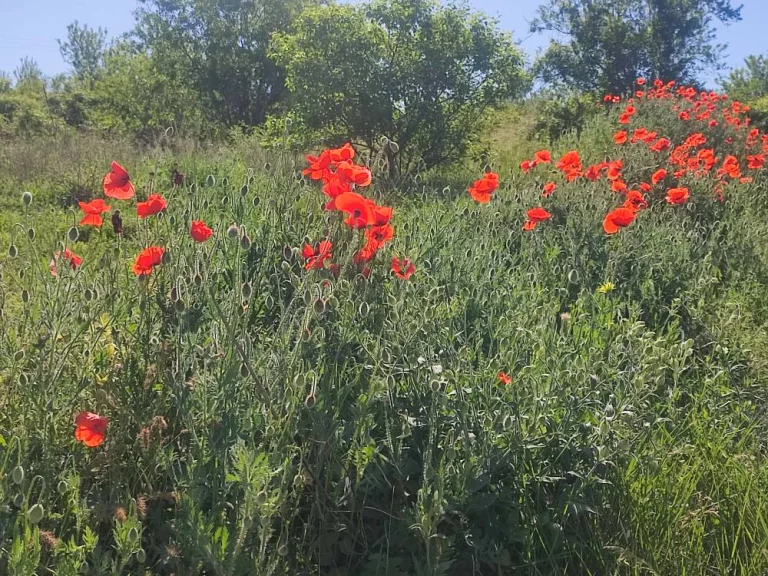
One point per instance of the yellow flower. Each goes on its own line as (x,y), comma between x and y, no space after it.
(607,287)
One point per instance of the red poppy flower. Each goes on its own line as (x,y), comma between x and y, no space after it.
(624,118)
(645,187)
(199,231)
(641,81)
(619,185)
(635,200)
(620,137)
(90,428)
(358,175)
(343,154)
(319,166)
(482,190)
(359,209)
(317,256)
(154,204)
(658,176)
(504,378)
(542,157)
(677,196)
(382,214)
(535,215)
(93,211)
(74,260)
(619,218)
(755,162)
(549,187)
(117,183)
(526,165)
(148,259)
(403,269)
(377,236)
(661,145)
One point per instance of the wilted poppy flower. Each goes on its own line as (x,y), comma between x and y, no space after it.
(117,183)
(677,195)
(316,256)
(535,215)
(153,205)
(177,178)
(504,378)
(403,269)
(619,218)
(549,187)
(90,428)
(658,176)
(148,259)
(358,208)
(542,157)
(117,223)
(620,137)
(73,259)
(93,211)
(199,231)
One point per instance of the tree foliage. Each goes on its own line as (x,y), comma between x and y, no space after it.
(83,49)
(219,49)
(606,44)
(411,71)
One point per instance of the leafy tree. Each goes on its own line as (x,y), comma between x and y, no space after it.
(750,82)
(133,96)
(411,71)
(219,48)
(83,50)
(29,76)
(606,44)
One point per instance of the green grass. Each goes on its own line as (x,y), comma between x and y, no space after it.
(278,421)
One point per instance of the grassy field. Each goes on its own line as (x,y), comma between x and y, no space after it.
(266,418)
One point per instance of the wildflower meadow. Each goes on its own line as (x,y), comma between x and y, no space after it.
(544,360)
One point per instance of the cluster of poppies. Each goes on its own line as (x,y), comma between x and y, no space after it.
(117,184)
(342,178)
(690,159)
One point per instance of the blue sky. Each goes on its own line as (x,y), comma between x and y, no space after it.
(31,27)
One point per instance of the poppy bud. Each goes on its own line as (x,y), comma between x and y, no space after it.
(225,181)
(394,146)
(17,475)
(36,513)
(267,166)
(233,231)
(179,306)
(62,487)
(26,198)
(88,295)
(508,421)
(193,189)
(224,200)
(434,385)
(310,400)
(13,251)
(31,234)
(23,380)
(73,234)
(245,243)
(172,220)
(269,302)
(25,296)
(247,290)
(319,306)
(282,549)
(18,500)
(244,370)
(198,280)
(244,190)
(141,556)
(174,294)
(133,534)
(210,181)
(19,356)
(573,276)
(256,201)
